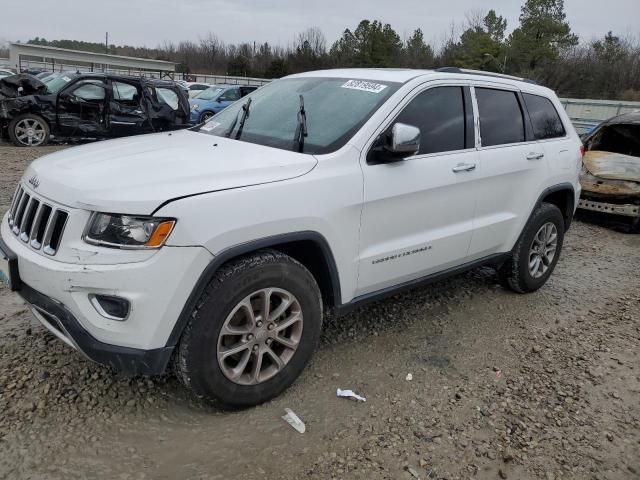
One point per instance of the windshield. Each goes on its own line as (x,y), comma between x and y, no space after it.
(209,93)
(55,83)
(335,108)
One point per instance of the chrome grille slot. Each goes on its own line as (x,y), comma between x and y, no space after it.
(40,226)
(14,204)
(22,206)
(54,232)
(37,223)
(27,222)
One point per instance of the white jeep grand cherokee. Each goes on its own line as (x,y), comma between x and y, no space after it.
(218,248)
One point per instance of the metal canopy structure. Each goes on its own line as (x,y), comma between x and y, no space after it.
(22,55)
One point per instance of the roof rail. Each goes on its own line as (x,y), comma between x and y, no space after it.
(484,74)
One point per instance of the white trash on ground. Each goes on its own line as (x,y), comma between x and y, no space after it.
(293,420)
(350,394)
(409,377)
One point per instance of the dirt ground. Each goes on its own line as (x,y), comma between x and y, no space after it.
(539,386)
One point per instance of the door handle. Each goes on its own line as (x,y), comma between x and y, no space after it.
(464,167)
(535,156)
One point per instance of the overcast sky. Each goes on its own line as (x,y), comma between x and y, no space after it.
(150,22)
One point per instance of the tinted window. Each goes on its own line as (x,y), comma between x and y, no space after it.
(544,117)
(500,117)
(439,114)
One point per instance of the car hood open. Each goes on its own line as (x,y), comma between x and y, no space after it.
(137,174)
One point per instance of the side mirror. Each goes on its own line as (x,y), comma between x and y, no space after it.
(400,142)
(404,140)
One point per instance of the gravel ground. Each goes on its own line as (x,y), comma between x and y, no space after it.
(539,386)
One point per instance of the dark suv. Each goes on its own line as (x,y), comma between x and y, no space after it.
(88,106)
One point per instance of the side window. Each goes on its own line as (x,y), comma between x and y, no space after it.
(544,117)
(440,116)
(125,93)
(230,95)
(90,91)
(501,119)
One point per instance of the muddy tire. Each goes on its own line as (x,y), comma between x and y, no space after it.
(29,130)
(536,254)
(252,332)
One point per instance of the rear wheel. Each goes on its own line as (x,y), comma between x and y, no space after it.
(29,130)
(536,254)
(252,332)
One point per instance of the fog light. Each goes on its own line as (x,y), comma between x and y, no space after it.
(113,308)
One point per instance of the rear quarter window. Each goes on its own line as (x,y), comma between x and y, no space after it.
(544,117)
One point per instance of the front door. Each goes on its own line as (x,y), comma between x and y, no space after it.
(81,109)
(418,212)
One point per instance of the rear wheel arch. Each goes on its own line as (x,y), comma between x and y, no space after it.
(309,248)
(563,197)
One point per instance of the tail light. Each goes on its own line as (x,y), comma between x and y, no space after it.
(583,151)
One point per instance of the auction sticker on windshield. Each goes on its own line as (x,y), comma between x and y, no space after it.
(364,86)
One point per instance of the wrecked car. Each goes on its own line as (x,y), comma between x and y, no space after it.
(611,169)
(87,106)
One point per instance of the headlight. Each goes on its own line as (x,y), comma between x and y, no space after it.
(128,231)
(194,107)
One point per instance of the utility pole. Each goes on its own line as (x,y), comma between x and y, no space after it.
(106,42)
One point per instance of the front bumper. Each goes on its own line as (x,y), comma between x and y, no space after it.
(157,287)
(626,210)
(61,322)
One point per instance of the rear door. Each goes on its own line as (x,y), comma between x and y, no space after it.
(514,169)
(418,213)
(81,108)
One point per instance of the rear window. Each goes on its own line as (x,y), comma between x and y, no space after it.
(544,117)
(500,117)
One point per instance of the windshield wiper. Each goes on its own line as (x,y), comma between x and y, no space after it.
(243,118)
(301,131)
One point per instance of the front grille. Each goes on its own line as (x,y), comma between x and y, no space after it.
(37,223)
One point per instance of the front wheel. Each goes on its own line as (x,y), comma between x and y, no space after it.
(28,130)
(252,332)
(206,116)
(536,254)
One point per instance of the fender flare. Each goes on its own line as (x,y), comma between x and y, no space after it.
(244,248)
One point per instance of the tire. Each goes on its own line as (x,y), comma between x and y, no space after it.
(198,361)
(517,273)
(29,130)
(206,116)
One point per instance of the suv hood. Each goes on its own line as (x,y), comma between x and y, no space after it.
(136,174)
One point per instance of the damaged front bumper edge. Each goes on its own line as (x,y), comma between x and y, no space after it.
(56,318)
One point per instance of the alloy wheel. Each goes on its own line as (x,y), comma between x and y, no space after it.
(260,336)
(543,250)
(30,131)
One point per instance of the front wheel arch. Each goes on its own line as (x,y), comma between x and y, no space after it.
(293,244)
